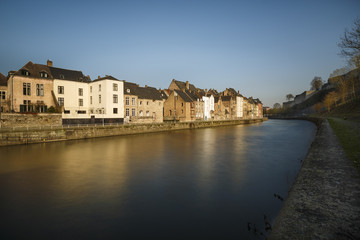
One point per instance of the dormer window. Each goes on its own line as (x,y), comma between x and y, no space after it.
(44,75)
(25,72)
(128,90)
(62,76)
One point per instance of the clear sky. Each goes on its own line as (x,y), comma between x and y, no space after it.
(264,49)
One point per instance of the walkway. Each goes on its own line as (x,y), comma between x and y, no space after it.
(324,202)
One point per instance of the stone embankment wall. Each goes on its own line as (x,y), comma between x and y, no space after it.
(10,136)
(30,120)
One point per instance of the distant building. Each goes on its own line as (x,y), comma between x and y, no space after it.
(3,93)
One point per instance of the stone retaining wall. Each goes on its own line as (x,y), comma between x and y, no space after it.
(30,119)
(46,134)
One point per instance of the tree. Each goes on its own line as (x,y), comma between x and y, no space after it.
(330,99)
(342,88)
(350,43)
(316,83)
(339,72)
(277,106)
(289,96)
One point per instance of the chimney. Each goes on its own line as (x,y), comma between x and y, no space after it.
(98,77)
(187,85)
(49,63)
(145,86)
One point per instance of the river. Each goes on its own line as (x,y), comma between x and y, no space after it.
(190,184)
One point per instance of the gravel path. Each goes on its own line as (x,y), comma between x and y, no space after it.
(324,201)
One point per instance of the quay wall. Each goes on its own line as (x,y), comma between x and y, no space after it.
(15,136)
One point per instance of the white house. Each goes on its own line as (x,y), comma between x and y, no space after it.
(208,106)
(106,99)
(239,106)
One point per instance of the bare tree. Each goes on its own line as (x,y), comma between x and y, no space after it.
(316,83)
(350,43)
(289,96)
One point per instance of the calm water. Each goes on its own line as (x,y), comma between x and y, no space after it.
(206,183)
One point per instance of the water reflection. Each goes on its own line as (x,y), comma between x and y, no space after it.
(197,183)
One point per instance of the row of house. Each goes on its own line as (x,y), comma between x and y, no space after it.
(45,88)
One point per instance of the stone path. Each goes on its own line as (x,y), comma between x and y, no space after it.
(324,201)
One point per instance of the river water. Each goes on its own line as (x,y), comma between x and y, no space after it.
(192,184)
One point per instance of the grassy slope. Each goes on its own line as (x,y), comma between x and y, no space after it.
(345,121)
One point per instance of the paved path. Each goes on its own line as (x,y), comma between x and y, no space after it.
(324,202)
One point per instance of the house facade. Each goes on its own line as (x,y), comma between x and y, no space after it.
(4,107)
(30,88)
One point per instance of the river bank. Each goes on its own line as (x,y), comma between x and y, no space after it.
(15,136)
(324,201)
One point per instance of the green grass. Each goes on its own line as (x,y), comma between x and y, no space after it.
(349,137)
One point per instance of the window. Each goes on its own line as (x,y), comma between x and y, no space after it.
(140,102)
(133,112)
(182,104)
(99,87)
(67,111)
(115,98)
(99,98)
(60,89)
(127,113)
(147,113)
(2,95)
(39,89)
(81,91)
(128,90)
(62,76)
(90,99)
(25,72)
(81,112)
(115,86)
(61,101)
(115,110)
(140,113)
(133,101)
(127,101)
(90,89)
(81,102)
(147,103)
(44,75)
(26,89)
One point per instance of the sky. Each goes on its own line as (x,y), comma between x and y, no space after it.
(264,49)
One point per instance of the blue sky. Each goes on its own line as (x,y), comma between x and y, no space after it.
(264,49)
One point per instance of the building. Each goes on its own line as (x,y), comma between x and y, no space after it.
(179,106)
(30,89)
(106,100)
(143,104)
(3,94)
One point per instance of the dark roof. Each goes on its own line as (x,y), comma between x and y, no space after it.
(34,70)
(3,80)
(216,99)
(184,96)
(53,72)
(192,95)
(225,98)
(142,92)
(163,94)
(182,85)
(66,74)
(107,77)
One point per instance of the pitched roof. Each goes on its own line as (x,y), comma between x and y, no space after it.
(35,69)
(142,92)
(3,80)
(225,98)
(163,94)
(182,85)
(107,77)
(66,74)
(184,96)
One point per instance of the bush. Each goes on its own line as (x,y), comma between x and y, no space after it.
(51,110)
